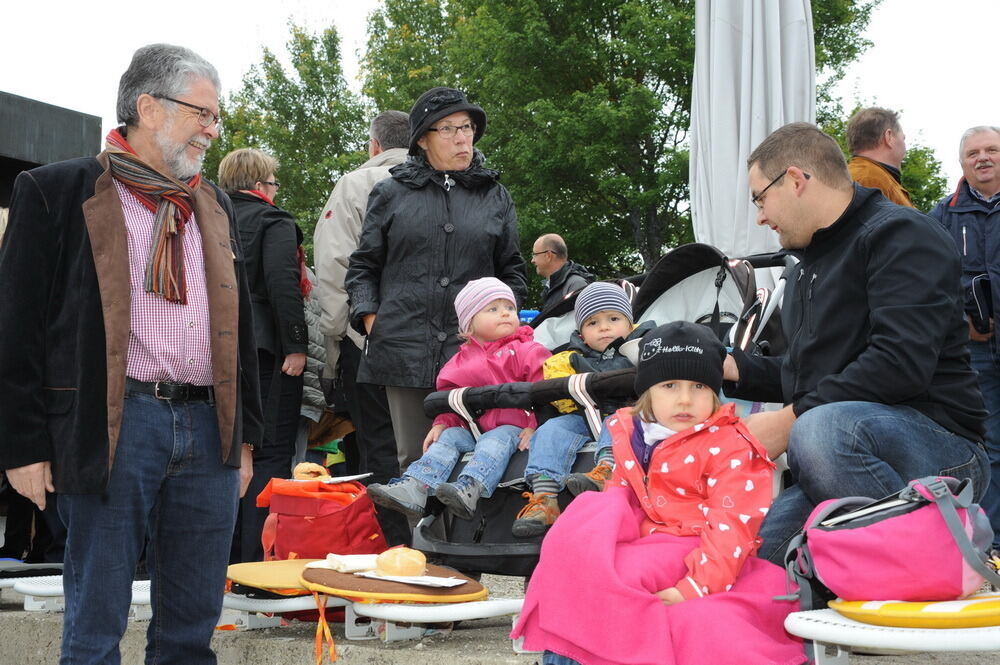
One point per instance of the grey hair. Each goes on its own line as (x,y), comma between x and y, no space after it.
(161,70)
(391,129)
(972,131)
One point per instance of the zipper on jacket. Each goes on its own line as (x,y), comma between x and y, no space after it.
(809,295)
(965,248)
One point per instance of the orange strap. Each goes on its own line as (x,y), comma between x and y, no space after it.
(323,631)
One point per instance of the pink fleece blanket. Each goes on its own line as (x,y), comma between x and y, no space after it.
(591,597)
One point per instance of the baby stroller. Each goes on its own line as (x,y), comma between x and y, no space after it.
(694,282)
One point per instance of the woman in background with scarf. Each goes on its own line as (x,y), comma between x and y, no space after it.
(275,264)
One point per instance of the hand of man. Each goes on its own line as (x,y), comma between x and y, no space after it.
(772,429)
(730,370)
(977,336)
(369,322)
(294,364)
(246,468)
(32,481)
(525,438)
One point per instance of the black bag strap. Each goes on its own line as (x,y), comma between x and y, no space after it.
(946,501)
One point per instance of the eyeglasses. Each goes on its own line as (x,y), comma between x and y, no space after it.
(758,200)
(447,131)
(272,183)
(544,251)
(205,116)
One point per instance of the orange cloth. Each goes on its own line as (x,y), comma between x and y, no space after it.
(869,173)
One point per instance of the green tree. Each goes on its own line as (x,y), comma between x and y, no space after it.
(589,105)
(307,118)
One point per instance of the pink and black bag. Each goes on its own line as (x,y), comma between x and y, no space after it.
(926,542)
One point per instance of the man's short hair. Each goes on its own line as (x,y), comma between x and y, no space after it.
(391,129)
(803,145)
(161,70)
(244,168)
(972,131)
(556,245)
(866,127)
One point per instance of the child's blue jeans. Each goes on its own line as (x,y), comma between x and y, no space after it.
(556,443)
(490,456)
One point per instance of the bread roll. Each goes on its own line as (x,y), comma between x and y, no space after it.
(401,562)
(310,471)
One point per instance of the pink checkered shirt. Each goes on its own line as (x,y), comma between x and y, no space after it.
(167,341)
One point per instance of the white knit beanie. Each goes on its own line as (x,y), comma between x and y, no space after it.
(478,294)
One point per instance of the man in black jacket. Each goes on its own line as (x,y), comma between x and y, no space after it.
(128,368)
(562,276)
(876,380)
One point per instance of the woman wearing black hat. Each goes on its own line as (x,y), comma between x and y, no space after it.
(441,220)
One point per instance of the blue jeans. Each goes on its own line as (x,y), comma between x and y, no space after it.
(167,482)
(863,449)
(490,456)
(555,445)
(986,362)
(549,658)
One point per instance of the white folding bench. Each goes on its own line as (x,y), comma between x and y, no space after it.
(386,618)
(830,630)
(45,594)
(247,613)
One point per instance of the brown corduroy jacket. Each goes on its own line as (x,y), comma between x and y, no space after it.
(65,320)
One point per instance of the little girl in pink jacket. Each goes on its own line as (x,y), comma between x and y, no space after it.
(497,350)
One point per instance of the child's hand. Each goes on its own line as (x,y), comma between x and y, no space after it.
(433,436)
(526,435)
(670,596)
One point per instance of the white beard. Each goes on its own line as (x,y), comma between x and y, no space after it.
(175,157)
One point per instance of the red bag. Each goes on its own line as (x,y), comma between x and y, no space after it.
(310,519)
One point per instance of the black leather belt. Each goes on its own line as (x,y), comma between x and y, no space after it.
(177,392)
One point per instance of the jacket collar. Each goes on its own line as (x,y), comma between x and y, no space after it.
(389,157)
(416,172)
(848,219)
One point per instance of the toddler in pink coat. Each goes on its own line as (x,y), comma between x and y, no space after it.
(497,350)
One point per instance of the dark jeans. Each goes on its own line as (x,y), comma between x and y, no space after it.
(271,459)
(863,449)
(986,362)
(168,482)
(373,436)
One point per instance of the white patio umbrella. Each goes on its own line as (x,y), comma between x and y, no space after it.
(754,71)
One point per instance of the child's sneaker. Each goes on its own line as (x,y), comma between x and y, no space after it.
(405,495)
(536,517)
(592,481)
(460,497)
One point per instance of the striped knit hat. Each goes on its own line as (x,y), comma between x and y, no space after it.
(478,294)
(600,296)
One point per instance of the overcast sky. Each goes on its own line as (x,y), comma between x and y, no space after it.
(934,60)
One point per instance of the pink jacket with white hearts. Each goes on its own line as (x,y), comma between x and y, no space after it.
(712,480)
(517,357)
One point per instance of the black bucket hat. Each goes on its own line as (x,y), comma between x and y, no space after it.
(438,103)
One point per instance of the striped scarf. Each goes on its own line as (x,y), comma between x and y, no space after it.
(172,203)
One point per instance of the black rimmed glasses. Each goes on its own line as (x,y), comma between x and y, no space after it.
(448,131)
(544,251)
(206,118)
(272,183)
(758,199)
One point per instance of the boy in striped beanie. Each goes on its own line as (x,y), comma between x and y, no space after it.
(604,321)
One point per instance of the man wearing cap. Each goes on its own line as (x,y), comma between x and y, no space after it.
(441,220)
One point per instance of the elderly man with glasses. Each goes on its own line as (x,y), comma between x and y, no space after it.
(441,220)
(128,366)
(876,378)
